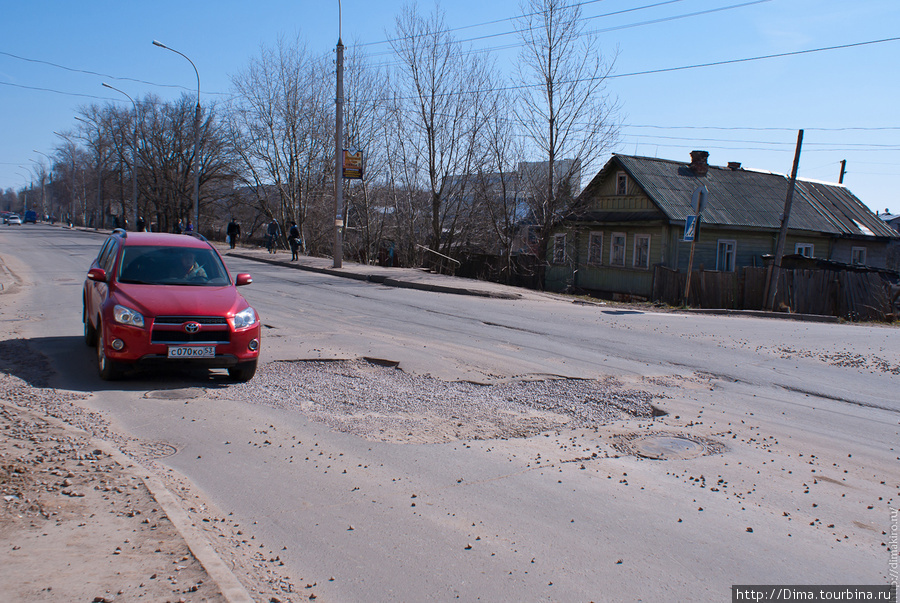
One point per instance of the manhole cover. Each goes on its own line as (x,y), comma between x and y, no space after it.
(667,447)
(174,394)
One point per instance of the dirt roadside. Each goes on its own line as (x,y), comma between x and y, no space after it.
(78,526)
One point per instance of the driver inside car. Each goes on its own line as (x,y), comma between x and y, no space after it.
(191,269)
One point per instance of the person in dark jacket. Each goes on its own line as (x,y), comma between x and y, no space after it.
(233,232)
(295,241)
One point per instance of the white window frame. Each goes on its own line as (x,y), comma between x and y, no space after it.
(729,264)
(612,248)
(559,248)
(621,183)
(858,256)
(807,250)
(638,238)
(595,243)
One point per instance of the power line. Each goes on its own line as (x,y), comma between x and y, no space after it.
(758,58)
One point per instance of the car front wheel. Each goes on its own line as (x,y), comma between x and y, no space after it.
(243,372)
(109,370)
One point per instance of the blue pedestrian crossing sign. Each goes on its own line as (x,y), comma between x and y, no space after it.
(690,228)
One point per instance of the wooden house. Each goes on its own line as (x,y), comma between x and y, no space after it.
(631,218)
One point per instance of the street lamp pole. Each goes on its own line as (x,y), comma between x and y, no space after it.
(338,151)
(25,190)
(74,211)
(100,207)
(196,139)
(134,138)
(50,212)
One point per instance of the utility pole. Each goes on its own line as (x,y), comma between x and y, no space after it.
(843,170)
(339,152)
(775,272)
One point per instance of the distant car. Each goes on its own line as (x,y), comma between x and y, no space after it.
(14,219)
(5,215)
(30,216)
(166,299)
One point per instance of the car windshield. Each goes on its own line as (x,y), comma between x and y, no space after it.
(154,265)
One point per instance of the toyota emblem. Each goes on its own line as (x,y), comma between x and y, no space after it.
(191,327)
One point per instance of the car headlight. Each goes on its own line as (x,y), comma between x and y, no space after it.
(127,316)
(244,318)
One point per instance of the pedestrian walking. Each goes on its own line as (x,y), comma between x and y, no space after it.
(233,231)
(179,227)
(295,241)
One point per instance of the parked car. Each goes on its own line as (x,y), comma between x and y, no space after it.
(165,299)
(14,219)
(30,216)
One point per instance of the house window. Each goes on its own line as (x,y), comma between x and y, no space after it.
(804,249)
(621,183)
(725,256)
(559,249)
(858,256)
(595,248)
(617,249)
(641,251)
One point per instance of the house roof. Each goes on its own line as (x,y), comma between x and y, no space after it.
(745,198)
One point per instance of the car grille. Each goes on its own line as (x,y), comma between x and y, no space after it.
(169,330)
(180,320)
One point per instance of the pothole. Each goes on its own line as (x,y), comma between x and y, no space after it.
(185,393)
(667,446)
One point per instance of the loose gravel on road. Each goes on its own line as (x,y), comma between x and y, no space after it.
(384,403)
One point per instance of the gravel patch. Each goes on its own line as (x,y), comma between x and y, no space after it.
(386,404)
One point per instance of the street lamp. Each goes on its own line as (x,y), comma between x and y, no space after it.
(133,154)
(74,211)
(25,190)
(42,181)
(339,151)
(196,139)
(100,207)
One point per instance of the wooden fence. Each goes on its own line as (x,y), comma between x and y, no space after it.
(850,294)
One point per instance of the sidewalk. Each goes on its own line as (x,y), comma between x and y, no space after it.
(407,278)
(418,278)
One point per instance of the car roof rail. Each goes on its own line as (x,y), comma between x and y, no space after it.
(120,231)
(196,235)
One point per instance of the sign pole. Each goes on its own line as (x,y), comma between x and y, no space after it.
(699,202)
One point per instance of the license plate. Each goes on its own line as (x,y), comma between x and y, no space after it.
(192,351)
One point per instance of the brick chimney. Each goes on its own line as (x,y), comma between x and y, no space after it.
(734,165)
(698,162)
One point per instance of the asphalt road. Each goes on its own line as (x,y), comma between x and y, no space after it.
(805,417)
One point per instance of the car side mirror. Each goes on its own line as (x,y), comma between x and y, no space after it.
(242,279)
(97,274)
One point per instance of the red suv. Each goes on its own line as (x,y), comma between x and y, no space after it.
(152,298)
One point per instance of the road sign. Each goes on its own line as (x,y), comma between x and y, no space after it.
(690,228)
(353,164)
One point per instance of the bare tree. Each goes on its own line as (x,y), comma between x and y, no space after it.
(564,109)
(368,115)
(166,147)
(498,186)
(440,91)
(280,132)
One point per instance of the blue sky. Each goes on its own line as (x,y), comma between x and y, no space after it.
(846,99)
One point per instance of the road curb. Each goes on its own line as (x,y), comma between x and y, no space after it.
(765,314)
(231,588)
